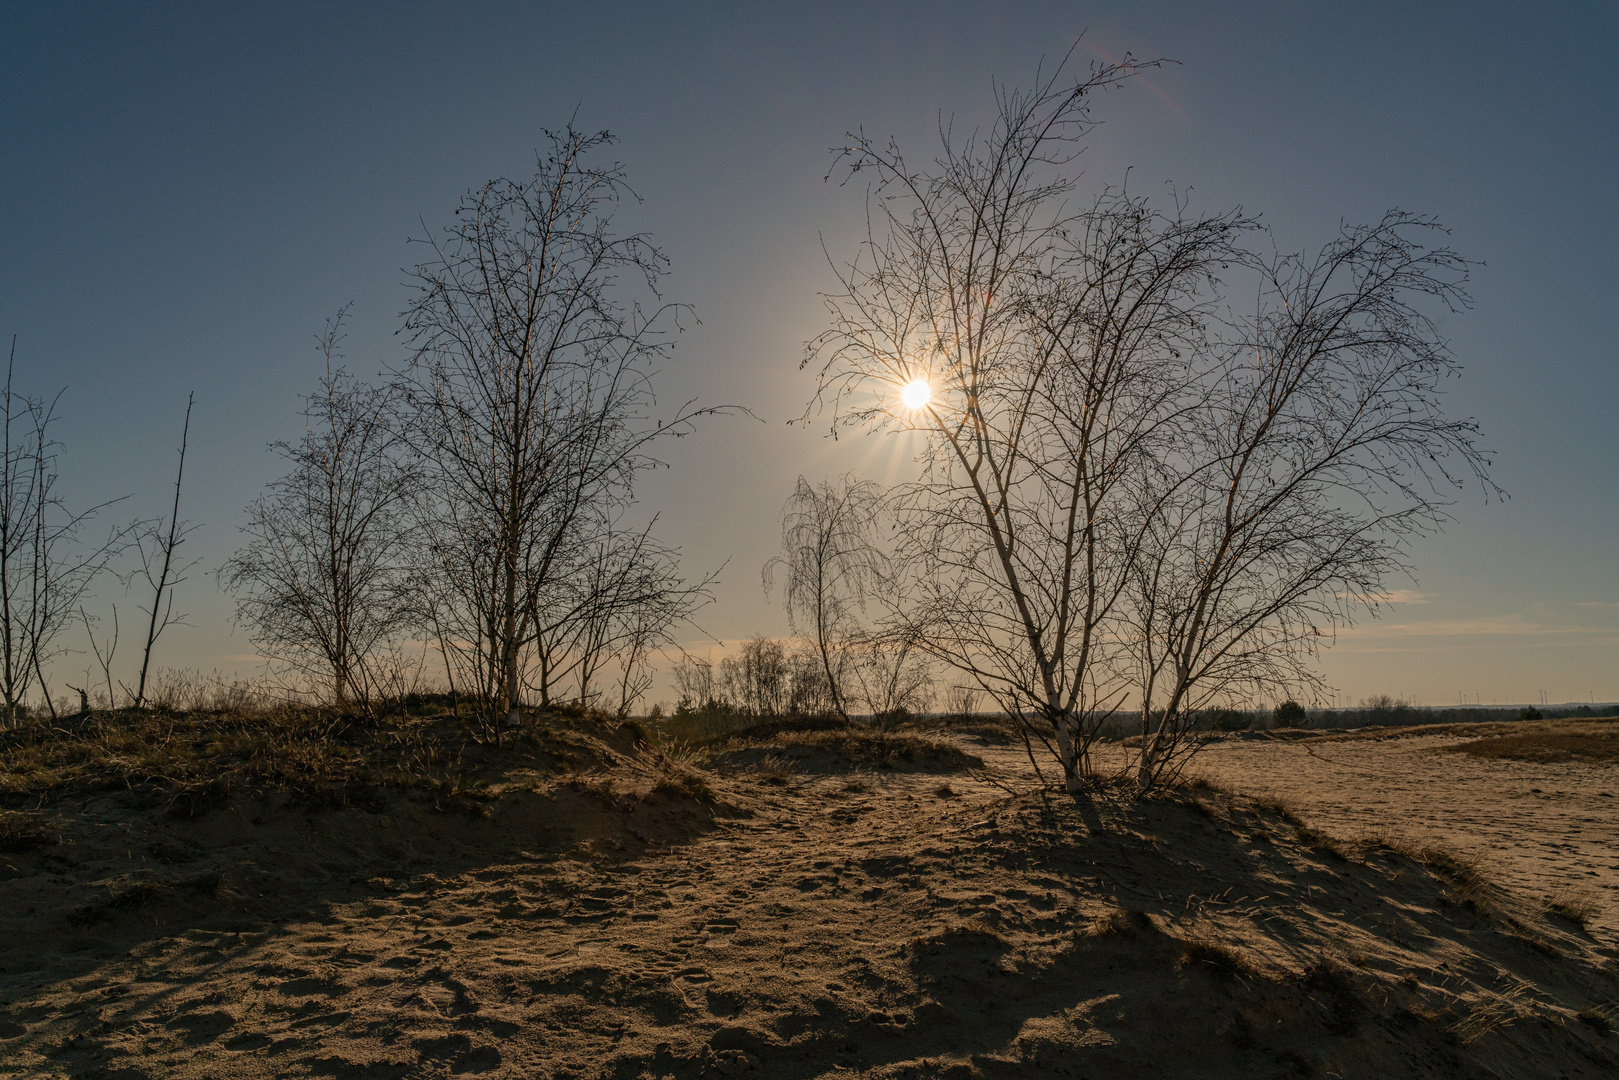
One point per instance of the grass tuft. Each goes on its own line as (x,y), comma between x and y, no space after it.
(1119,922)
(773,770)
(1333,981)
(20,832)
(1466,885)
(970,932)
(1572,906)
(685,785)
(1279,806)
(1596,1020)
(1221,959)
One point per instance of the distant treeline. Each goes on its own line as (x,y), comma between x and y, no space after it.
(1402,713)
(1373,712)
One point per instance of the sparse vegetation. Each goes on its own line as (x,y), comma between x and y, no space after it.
(1551,742)
(1578,908)
(1214,956)
(23,832)
(194,760)
(1596,1019)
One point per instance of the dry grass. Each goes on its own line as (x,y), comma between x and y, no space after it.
(1117,923)
(1577,907)
(1335,983)
(1327,844)
(23,832)
(1543,741)
(194,762)
(773,770)
(1467,887)
(1597,1019)
(1551,741)
(1277,805)
(1206,953)
(804,746)
(970,932)
(1466,883)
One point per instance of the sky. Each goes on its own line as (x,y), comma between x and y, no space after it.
(189,192)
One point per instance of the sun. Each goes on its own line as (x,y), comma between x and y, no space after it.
(916,394)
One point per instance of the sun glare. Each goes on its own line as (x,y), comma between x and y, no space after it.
(916,394)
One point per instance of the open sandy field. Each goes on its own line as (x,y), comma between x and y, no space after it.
(1542,828)
(825,905)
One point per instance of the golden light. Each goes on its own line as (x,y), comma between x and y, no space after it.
(916,394)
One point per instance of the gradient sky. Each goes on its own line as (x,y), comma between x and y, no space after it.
(188,192)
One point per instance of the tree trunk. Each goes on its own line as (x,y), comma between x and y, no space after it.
(1073,781)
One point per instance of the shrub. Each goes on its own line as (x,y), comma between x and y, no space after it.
(1529,713)
(1231,720)
(1290,714)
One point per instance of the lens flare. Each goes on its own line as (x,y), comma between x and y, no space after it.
(916,394)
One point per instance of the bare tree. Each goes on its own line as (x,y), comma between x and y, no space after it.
(45,571)
(961,701)
(894,675)
(1125,488)
(1321,448)
(696,682)
(620,603)
(829,562)
(158,543)
(528,397)
(1051,345)
(758,681)
(322,579)
(104,656)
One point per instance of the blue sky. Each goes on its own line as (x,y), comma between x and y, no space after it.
(188,192)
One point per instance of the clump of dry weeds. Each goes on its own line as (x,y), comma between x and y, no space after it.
(1577,907)
(23,832)
(1207,953)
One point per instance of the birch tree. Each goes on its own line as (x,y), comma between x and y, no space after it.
(529,397)
(46,570)
(1128,491)
(1320,450)
(829,564)
(321,582)
(1050,346)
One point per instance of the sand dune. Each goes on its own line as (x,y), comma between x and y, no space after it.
(789,913)
(1542,828)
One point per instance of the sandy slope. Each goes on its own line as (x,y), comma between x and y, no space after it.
(813,923)
(1539,828)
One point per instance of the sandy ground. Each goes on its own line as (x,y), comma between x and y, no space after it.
(799,920)
(1541,829)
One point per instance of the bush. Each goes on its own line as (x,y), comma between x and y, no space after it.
(1529,713)
(1290,714)
(692,721)
(891,718)
(1231,720)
